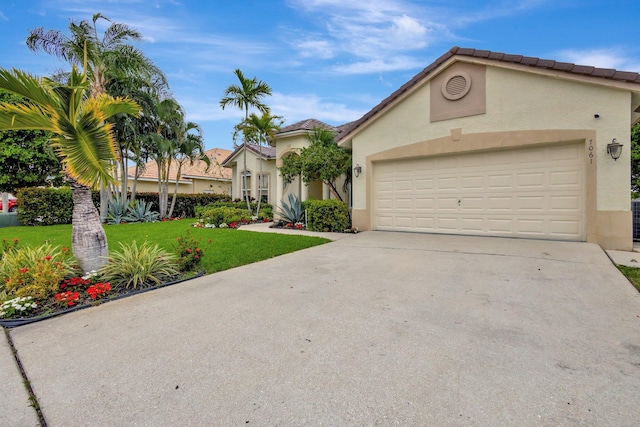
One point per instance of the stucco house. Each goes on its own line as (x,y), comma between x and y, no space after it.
(288,142)
(194,178)
(257,158)
(490,144)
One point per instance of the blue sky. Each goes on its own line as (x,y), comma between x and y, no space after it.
(332,60)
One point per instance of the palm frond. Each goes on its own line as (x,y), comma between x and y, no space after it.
(25,85)
(25,117)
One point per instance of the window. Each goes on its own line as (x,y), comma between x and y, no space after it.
(263,187)
(245,184)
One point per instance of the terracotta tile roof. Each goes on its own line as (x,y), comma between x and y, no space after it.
(267,152)
(548,64)
(197,170)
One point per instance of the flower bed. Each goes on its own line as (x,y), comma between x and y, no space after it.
(83,296)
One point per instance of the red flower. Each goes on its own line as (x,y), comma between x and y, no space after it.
(189,250)
(24,270)
(48,257)
(65,250)
(15,241)
(196,257)
(198,250)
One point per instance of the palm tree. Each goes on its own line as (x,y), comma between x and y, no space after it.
(190,148)
(82,138)
(107,58)
(248,94)
(258,130)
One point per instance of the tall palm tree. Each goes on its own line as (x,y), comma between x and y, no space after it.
(261,130)
(108,57)
(248,94)
(82,138)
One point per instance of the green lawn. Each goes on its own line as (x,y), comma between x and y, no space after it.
(631,273)
(222,248)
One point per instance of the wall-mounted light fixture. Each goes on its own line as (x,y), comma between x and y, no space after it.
(614,149)
(357,170)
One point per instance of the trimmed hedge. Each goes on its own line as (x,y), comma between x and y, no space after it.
(327,215)
(49,206)
(228,212)
(44,206)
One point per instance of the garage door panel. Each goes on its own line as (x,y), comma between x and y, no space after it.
(562,178)
(531,180)
(500,181)
(533,192)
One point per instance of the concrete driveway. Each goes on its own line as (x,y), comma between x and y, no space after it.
(376,329)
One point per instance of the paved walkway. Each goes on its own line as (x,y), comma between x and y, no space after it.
(374,329)
(264,228)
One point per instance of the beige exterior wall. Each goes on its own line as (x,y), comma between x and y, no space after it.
(290,145)
(522,108)
(196,187)
(253,166)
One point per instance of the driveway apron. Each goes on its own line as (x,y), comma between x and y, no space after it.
(374,329)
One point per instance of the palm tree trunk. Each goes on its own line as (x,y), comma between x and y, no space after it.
(259,181)
(244,177)
(88,239)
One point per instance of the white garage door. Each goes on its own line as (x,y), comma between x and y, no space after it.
(534,193)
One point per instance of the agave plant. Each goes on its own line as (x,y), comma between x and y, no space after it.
(115,211)
(291,211)
(141,212)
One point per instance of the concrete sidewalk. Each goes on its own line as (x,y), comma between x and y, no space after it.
(265,228)
(15,407)
(376,329)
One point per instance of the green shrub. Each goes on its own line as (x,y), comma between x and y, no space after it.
(218,215)
(134,266)
(45,206)
(35,271)
(189,252)
(266,210)
(327,215)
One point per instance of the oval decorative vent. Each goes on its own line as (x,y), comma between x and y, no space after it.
(456,85)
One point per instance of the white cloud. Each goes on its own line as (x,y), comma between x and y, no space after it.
(602,58)
(304,106)
(378,66)
(3,17)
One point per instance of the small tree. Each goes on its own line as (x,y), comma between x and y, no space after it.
(322,161)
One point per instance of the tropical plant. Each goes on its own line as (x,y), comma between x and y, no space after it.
(35,271)
(323,160)
(190,149)
(140,211)
(26,156)
(259,130)
(108,58)
(248,94)
(134,266)
(115,211)
(81,138)
(291,211)
(189,252)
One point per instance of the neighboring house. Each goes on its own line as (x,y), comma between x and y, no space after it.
(490,144)
(194,178)
(256,182)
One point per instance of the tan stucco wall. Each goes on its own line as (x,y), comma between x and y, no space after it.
(253,165)
(516,102)
(290,145)
(198,186)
